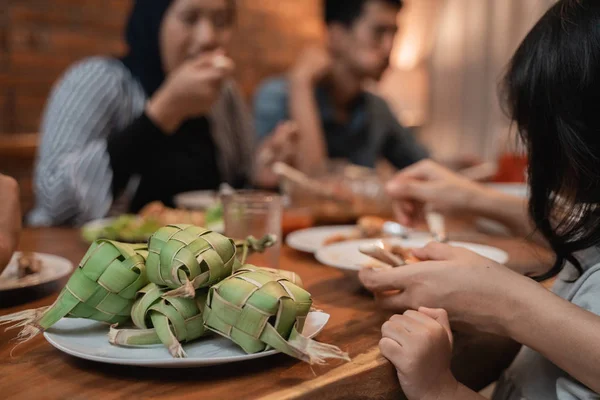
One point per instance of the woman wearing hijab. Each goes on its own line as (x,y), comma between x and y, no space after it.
(167,114)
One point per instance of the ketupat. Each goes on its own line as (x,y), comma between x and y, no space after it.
(260,309)
(102,288)
(170,321)
(186,258)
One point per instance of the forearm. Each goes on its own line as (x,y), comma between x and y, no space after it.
(509,210)
(567,335)
(304,111)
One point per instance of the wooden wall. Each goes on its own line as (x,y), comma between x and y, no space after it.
(39,39)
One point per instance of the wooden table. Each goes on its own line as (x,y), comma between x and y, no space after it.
(37,370)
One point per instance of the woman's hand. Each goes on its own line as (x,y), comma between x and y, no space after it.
(10,219)
(475,291)
(189,91)
(429,183)
(419,344)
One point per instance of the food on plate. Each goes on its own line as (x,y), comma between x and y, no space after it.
(126,228)
(366,228)
(166,216)
(139,228)
(28,264)
(404,253)
(187,282)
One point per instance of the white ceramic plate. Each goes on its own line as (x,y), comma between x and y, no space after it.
(310,240)
(53,269)
(200,200)
(346,255)
(89,340)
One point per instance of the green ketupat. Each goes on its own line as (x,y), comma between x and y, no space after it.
(185,258)
(103,288)
(260,309)
(169,321)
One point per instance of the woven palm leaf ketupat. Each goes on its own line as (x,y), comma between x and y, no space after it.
(185,258)
(170,321)
(102,288)
(259,309)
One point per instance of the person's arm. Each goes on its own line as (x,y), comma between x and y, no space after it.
(305,112)
(400,148)
(270,116)
(73,176)
(10,219)
(563,332)
(312,67)
(480,294)
(427,182)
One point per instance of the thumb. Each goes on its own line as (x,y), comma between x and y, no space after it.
(441,316)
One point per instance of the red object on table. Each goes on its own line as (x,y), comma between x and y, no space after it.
(512,168)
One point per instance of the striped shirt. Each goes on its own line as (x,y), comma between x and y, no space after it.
(98,98)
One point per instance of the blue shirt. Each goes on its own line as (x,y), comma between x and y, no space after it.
(372,131)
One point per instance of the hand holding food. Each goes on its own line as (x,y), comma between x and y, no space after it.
(461,282)
(428,183)
(419,345)
(190,91)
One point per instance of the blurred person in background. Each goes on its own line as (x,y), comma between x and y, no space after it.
(10,219)
(325,97)
(167,114)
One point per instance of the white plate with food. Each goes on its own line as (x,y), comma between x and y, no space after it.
(199,200)
(32,269)
(347,255)
(312,239)
(89,340)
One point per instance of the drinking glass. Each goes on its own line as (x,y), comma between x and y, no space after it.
(254,213)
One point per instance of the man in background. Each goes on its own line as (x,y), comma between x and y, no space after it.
(325,98)
(10,219)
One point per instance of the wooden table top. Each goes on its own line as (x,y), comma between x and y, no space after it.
(37,370)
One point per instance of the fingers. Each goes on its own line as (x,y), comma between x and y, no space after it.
(382,280)
(394,302)
(441,316)
(436,252)
(390,349)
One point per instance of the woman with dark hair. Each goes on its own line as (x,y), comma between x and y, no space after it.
(552,92)
(165,119)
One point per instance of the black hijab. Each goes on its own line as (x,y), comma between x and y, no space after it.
(143,38)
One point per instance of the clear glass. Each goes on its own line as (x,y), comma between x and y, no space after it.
(253,213)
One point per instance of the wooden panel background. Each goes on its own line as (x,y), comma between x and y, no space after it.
(39,39)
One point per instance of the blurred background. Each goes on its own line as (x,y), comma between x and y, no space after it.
(446,65)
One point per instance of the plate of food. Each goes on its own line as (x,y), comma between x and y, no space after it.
(139,228)
(184,299)
(32,269)
(88,340)
(347,255)
(312,239)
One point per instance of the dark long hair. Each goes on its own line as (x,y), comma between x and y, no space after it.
(552,90)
